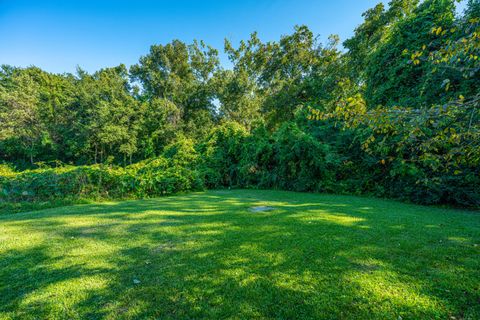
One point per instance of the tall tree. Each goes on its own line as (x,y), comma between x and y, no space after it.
(179,73)
(377,51)
(110,113)
(22,128)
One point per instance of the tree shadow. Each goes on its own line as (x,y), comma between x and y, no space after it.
(207,256)
(25,271)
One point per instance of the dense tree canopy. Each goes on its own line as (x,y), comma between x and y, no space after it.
(394,114)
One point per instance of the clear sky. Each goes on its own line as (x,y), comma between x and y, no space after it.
(59,35)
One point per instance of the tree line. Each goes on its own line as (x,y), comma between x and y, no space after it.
(395,111)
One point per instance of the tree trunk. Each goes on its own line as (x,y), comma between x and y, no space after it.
(31,152)
(96,151)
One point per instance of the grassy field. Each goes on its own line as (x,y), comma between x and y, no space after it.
(206,255)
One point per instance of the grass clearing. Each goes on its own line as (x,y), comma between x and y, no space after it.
(207,255)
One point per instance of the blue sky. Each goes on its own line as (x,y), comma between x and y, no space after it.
(59,35)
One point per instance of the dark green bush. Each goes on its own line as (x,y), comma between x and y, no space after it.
(288,159)
(222,153)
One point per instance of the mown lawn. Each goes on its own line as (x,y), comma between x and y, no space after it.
(206,256)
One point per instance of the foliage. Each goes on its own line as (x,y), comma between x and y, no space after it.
(405,83)
(181,76)
(222,153)
(288,159)
(426,156)
(20,115)
(159,176)
(395,115)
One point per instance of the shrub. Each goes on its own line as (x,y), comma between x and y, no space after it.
(222,152)
(288,158)
(153,177)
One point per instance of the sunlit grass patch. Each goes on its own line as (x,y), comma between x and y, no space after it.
(206,255)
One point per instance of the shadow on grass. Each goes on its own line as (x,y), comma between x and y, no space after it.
(24,271)
(207,256)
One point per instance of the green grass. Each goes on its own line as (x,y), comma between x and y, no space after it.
(205,255)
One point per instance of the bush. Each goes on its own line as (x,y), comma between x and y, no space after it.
(288,158)
(221,153)
(154,177)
